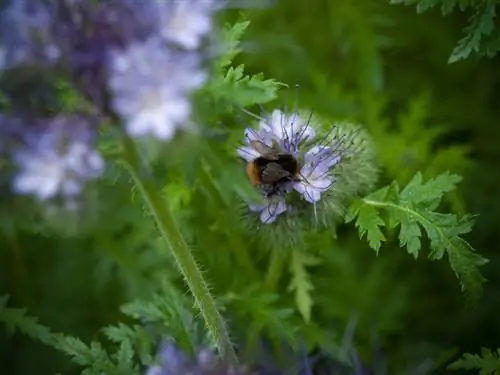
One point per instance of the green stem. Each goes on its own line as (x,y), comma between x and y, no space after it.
(181,253)
(275,269)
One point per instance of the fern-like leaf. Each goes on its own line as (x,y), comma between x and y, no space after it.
(301,282)
(481,24)
(413,210)
(488,362)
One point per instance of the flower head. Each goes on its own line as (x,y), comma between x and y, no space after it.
(58,160)
(151,85)
(334,160)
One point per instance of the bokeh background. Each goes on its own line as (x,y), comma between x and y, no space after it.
(368,61)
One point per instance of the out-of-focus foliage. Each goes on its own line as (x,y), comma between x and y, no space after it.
(481,36)
(487,363)
(107,280)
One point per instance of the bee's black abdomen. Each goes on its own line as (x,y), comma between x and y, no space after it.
(286,161)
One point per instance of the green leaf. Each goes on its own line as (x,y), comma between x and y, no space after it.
(231,36)
(234,87)
(368,220)
(488,362)
(480,24)
(125,357)
(301,282)
(412,210)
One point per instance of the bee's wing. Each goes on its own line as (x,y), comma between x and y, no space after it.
(273,172)
(265,150)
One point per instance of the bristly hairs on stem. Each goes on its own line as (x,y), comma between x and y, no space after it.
(181,252)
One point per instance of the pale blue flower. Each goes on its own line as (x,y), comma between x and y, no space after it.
(151,85)
(56,161)
(186,23)
(317,158)
(270,209)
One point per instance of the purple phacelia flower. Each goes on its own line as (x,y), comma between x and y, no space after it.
(56,159)
(27,34)
(317,159)
(150,86)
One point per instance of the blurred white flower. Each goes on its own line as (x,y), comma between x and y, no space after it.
(53,164)
(186,22)
(150,86)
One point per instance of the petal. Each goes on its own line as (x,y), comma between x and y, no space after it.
(312,190)
(247,153)
(271,212)
(258,135)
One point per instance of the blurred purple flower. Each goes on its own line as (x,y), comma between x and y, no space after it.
(27,34)
(57,159)
(150,86)
(171,361)
(186,22)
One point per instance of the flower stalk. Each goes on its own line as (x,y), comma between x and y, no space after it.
(181,253)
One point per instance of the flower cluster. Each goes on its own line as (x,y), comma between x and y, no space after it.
(321,158)
(147,54)
(151,79)
(137,61)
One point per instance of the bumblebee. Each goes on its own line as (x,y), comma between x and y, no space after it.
(272,169)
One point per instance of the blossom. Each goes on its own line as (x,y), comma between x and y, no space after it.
(270,209)
(58,161)
(27,34)
(318,158)
(151,84)
(185,23)
(172,361)
(289,130)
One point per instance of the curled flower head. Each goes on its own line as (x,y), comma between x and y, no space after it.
(150,85)
(57,160)
(292,153)
(27,34)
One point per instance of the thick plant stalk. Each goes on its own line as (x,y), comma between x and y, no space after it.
(181,253)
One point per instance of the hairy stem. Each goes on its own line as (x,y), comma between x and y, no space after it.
(181,253)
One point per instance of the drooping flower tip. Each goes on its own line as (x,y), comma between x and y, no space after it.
(291,152)
(58,160)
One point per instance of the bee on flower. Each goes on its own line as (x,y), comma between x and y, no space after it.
(299,165)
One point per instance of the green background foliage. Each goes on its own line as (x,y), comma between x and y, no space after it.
(386,66)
